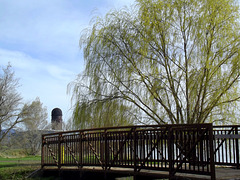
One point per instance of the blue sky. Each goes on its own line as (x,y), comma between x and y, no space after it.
(40,40)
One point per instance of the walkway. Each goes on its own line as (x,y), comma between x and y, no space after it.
(169,151)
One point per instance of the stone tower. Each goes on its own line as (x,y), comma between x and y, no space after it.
(56,119)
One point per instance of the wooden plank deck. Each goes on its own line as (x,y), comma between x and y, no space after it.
(222,173)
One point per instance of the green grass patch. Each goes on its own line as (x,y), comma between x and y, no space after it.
(16,172)
(27,158)
(12,153)
(18,168)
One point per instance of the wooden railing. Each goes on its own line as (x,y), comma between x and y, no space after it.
(172,148)
(227,145)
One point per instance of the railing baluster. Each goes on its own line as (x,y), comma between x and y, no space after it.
(237,148)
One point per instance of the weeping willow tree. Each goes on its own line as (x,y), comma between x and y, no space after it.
(92,110)
(102,114)
(171,61)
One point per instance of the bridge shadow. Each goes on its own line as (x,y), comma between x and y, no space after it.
(66,174)
(89,175)
(69,174)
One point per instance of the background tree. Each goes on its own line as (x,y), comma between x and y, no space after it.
(10,101)
(173,61)
(34,117)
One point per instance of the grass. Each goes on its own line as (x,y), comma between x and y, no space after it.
(27,158)
(18,168)
(11,153)
(15,172)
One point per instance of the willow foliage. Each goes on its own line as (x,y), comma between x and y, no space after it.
(172,61)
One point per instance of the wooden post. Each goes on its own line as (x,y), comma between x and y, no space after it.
(135,150)
(42,152)
(170,151)
(237,147)
(59,151)
(106,150)
(212,163)
(80,150)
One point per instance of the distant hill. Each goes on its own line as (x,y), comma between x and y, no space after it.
(16,132)
(12,131)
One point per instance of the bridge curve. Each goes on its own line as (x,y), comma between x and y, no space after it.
(158,151)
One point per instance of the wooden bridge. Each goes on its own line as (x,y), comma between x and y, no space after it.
(167,151)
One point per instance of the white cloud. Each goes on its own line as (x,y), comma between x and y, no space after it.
(26,64)
(40,40)
(58,72)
